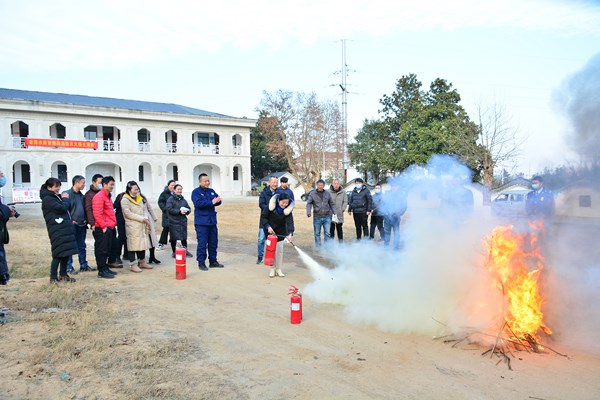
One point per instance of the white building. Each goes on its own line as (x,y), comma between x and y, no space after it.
(62,135)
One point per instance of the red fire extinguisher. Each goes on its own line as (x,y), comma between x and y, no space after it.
(180,263)
(295,305)
(270,249)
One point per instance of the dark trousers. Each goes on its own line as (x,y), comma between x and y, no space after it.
(337,228)
(163,236)
(174,244)
(104,247)
(208,237)
(362,228)
(140,255)
(54,266)
(376,222)
(121,242)
(80,233)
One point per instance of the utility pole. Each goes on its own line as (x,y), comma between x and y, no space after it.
(344,87)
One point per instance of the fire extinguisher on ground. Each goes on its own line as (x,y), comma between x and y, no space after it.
(270,250)
(295,305)
(180,263)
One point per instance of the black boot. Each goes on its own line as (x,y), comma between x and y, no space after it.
(152,259)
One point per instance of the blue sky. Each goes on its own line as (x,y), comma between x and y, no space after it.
(220,57)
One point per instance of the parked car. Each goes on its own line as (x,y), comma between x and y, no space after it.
(510,203)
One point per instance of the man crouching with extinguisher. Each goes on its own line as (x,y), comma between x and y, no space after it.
(278,222)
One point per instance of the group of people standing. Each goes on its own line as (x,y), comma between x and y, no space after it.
(123,226)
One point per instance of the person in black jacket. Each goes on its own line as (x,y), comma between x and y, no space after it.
(361,204)
(263,204)
(162,204)
(60,230)
(178,209)
(120,246)
(277,219)
(5,213)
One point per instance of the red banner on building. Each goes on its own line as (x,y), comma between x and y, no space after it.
(77,144)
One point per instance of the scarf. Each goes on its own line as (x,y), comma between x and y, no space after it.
(137,200)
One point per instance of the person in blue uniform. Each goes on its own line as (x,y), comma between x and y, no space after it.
(205,200)
(540,201)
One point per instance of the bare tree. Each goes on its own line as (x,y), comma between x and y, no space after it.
(499,138)
(302,128)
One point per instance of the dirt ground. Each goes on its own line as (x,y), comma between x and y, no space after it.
(226,334)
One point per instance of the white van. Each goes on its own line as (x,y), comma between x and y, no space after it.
(510,203)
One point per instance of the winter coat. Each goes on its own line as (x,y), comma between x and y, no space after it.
(4,216)
(360,201)
(137,230)
(89,195)
(162,204)
(151,215)
(287,191)
(103,210)
(58,223)
(281,220)
(321,202)
(263,201)
(118,210)
(76,204)
(340,202)
(204,209)
(177,221)
(540,203)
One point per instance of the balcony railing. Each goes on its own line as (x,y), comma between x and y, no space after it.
(18,143)
(237,150)
(109,145)
(206,148)
(144,147)
(171,147)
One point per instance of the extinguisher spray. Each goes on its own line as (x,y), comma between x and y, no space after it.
(295,305)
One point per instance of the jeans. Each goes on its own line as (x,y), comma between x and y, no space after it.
(318,223)
(392,223)
(337,228)
(80,233)
(261,243)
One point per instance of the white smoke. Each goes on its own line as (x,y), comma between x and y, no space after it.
(438,283)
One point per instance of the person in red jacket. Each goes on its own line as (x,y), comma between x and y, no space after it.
(104,228)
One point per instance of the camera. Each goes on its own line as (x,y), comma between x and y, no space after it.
(17,215)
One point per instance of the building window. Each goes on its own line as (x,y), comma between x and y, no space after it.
(120,175)
(175,173)
(585,201)
(90,133)
(141,173)
(62,173)
(236,173)
(25,174)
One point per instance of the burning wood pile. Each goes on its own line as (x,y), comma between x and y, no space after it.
(516,262)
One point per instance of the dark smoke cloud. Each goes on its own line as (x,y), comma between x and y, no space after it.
(579,98)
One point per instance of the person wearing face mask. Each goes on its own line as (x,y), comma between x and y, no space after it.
(539,203)
(178,209)
(377,215)
(2,179)
(60,229)
(361,204)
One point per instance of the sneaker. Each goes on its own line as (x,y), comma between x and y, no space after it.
(188,254)
(160,247)
(202,266)
(73,272)
(108,271)
(259,260)
(66,278)
(215,264)
(87,269)
(105,275)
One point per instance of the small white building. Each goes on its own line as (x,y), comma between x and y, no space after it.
(62,135)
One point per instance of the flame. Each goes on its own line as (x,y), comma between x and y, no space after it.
(516,262)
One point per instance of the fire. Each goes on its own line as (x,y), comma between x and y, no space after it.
(516,261)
